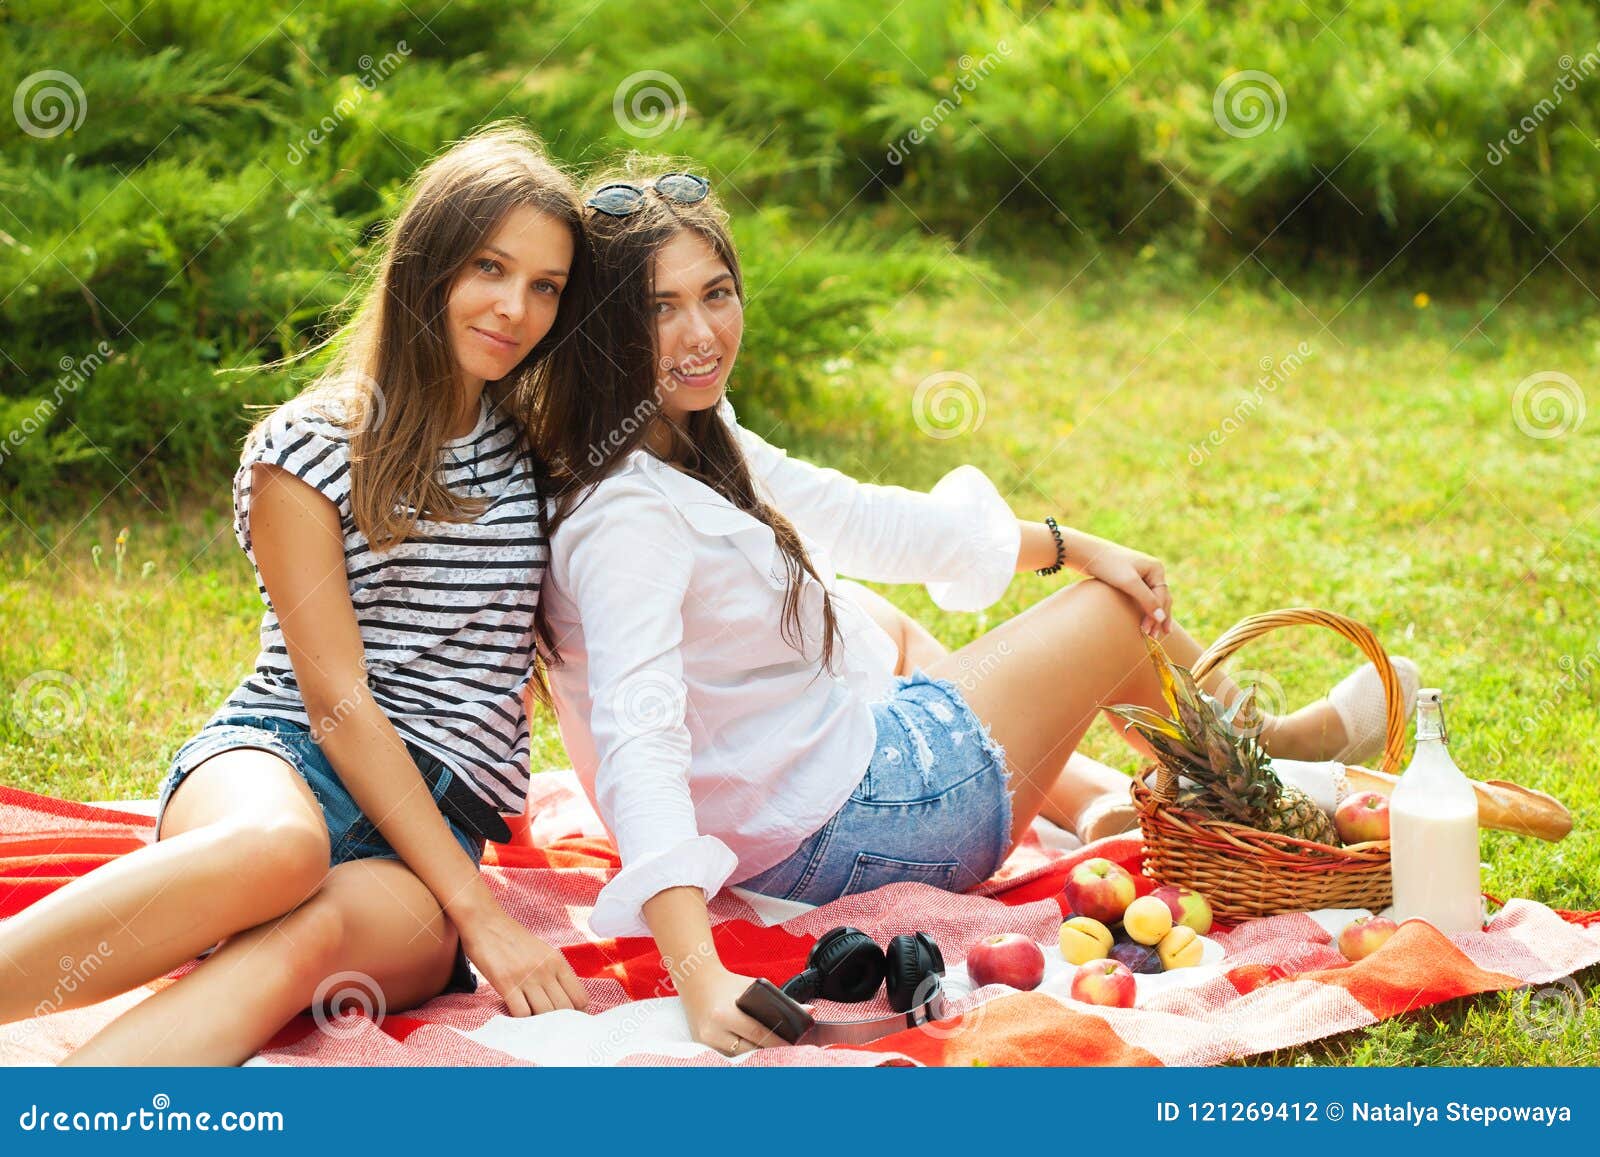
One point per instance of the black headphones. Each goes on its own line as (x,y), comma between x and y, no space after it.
(846,965)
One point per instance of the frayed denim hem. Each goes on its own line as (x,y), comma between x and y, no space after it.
(992,747)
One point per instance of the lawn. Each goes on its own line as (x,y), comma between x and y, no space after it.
(1365,450)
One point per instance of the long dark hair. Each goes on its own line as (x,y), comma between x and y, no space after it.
(585,423)
(392,379)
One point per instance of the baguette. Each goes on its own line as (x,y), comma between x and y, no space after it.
(1503,806)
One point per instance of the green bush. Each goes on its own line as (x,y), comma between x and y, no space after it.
(1101,118)
(208,213)
(231,163)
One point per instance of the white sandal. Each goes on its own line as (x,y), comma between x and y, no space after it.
(1358,700)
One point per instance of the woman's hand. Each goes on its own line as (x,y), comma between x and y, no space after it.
(1138,576)
(530,975)
(710,1001)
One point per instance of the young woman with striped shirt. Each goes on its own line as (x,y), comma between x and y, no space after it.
(327,823)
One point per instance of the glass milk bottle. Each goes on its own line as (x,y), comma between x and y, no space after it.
(1433,824)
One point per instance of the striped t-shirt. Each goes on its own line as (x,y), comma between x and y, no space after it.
(446,617)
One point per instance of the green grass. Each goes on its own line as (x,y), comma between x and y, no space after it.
(1386,478)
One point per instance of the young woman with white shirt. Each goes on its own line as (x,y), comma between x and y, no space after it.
(326,824)
(730,707)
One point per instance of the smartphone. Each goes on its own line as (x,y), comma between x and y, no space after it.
(767,1003)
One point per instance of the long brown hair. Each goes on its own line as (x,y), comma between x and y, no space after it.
(585,423)
(392,382)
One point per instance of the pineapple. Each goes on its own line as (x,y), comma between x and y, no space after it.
(1216,750)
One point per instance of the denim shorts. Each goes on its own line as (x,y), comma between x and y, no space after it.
(351,835)
(934,806)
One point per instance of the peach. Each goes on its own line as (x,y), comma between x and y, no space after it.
(1084,939)
(1147,920)
(1180,948)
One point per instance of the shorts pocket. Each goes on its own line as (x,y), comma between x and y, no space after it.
(872,871)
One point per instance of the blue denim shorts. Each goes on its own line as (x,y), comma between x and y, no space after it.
(351,835)
(934,806)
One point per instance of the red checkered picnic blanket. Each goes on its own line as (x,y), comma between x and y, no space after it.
(1281,981)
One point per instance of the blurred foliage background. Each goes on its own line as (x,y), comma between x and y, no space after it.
(204,197)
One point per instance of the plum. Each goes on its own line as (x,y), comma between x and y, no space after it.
(1139,958)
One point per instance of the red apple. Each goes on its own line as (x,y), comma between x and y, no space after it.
(1105,982)
(1100,889)
(1008,958)
(1363,817)
(1365,935)
(1187,906)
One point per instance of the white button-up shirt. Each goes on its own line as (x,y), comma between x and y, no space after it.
(710,747)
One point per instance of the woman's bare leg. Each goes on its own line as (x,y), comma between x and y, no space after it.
(915,643)
(374,930)
(1082,782)
(1037,681)
(243,840)
(1313,732)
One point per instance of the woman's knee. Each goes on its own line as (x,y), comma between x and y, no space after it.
(285,857)
(261,823)
(1096,601)
(395,932)
(308,945)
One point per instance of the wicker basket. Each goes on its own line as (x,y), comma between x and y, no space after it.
(1245,873)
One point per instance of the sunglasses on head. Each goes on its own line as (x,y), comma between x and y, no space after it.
(622,200)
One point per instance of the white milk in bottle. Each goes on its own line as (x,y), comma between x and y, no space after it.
(1433,824)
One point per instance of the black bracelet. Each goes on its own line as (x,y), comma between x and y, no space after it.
(1061,549)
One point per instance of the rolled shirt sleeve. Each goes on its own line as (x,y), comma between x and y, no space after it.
(961,538)
(628,574)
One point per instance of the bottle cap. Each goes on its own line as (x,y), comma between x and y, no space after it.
(1430,695)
